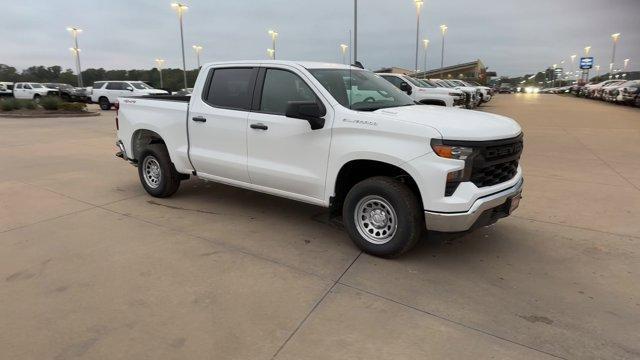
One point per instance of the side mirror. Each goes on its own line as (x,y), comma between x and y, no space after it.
(405,87)
(129,88)
(307,110)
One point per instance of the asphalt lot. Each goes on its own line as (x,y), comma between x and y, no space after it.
(93,268)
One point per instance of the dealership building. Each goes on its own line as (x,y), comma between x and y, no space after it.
(474,70)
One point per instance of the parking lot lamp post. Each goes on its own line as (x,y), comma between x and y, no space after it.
(343,48)
(159,63)
(573,67)
(626,63)
(198,50)
(418,4)
(181,8)
(615,38)
(74,31)
(443,29)
(597,73)
(274,36)
(271,53)
(425,45)
(355,30)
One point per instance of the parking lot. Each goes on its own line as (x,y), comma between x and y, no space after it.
(91,267)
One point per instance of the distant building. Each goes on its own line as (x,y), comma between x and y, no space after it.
(395,70)
(474,70)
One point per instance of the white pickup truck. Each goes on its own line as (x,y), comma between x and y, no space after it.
(425,93)
(334,136)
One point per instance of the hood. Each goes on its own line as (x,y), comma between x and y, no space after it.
(456,124)
(153,91)
(436,90)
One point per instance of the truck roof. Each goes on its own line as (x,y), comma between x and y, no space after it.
(304,64)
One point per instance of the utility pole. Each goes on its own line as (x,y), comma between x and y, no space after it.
(355,31)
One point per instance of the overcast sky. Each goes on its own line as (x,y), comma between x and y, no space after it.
(510,37)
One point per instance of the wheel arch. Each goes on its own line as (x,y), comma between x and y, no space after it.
(356,170)
(142,137)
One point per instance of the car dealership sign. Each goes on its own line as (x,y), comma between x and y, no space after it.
(586,63)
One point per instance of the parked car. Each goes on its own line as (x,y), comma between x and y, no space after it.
(105,93)
(472,93)
(628,92)
(428,95)
(391,167)
(485,92)
(6,88)
(32,91)
(68,92)
(183,92)
(594,90)
(460,99)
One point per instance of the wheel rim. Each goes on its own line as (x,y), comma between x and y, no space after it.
(375,219)
(151,172)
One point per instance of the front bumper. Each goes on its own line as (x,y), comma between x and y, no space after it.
(484,211)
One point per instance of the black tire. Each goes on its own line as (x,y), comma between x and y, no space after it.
(36,98)
(104,103)
(168,180)
(405,206)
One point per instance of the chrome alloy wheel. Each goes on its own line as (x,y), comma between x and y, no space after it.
(151,171)
(375,219)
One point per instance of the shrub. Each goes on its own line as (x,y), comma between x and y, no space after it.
(50,102)
(79,107)
(9,104)
(26,104)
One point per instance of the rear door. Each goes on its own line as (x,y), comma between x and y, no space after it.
(218,124)
(284,153)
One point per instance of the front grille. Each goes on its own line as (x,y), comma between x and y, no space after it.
(492,163)
(494,174)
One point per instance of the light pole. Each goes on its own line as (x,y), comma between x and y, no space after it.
(443,29)
(573,67)
(553,77)
(181,8)
(355,31)
(615,38)
(343,48)
(425,45)
(76,50)
(626,63)
(197,49)
(585,72)
(271,53)
(418,4)
(274,36)
(159,63)
(597,73)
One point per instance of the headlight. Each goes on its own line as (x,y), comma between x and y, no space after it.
(454,94)
(451,152)
(454,152)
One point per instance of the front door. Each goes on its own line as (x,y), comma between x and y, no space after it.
(218,124)
(284,153)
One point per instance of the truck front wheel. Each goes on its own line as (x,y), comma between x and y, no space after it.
(157,173)
(383,216)
(104,103)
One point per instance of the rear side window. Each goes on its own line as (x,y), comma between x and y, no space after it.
(231,88)
(98,84)
(280,87)
(116,86)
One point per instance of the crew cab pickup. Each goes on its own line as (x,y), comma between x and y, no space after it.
(330,135)
(424,93)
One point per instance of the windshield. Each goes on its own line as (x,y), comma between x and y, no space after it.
(413,81)
(443,83)
(36,86)
(425,84)
(140,86)
(360,90)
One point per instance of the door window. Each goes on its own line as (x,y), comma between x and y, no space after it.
(19,86)
(231,88)
(396,81)
(27,86)
(281,87)
(116,86)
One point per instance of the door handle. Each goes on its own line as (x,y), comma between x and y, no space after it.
(259,126)
(199,119)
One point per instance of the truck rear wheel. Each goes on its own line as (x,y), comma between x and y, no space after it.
(104,103)
(157,173)
(383,216)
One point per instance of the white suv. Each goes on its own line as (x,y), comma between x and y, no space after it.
(6,88)
(106,93)
(32,91)
(422,93)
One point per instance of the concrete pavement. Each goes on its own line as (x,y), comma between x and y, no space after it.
(93,268)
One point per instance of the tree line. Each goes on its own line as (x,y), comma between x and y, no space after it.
(172,78)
